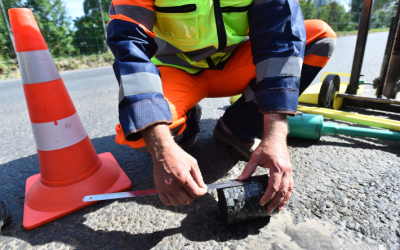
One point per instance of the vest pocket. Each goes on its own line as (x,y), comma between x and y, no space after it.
(236,19)
(230,9)
(176,9)
(178,23)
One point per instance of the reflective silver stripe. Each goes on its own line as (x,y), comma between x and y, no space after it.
(249,94)
(120,94)
(175,60)
(37,66)
(201,54)
(231,48)
(139,83)
(321,47)
(165,48)
(196,55)
(279,66)
(139,14)
(67,132)
(111,10)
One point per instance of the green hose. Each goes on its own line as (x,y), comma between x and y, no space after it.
(313,126)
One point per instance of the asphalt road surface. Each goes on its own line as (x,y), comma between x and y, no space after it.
(346,188)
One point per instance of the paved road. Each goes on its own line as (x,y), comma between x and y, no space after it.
(342,58)
(346,194)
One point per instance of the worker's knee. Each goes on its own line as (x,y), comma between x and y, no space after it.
(321,38)
(324,29)
(317,29)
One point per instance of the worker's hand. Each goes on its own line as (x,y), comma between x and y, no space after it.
(273,153)
(177,176)
(176,173)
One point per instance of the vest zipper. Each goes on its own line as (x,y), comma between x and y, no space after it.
(221,32)
(176,9)
(229,9)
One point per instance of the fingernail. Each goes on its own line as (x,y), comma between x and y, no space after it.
(263,204)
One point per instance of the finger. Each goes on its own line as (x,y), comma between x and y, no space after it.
(164,199)
(182,196)
(172,199)
(192,188)
(197,177)
(274,184)
(249,169)
(289,194)
(281,194)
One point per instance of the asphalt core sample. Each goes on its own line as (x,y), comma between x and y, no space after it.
(242,203)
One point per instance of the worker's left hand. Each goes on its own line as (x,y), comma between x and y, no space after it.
(273,153)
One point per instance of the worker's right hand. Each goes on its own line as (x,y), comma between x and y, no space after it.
(177,176)
(176,173)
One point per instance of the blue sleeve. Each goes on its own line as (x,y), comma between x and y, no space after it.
(278,38)
(141,99)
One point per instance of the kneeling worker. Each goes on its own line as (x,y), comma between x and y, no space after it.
(169,55)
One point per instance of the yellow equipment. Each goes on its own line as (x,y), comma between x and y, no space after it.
(323,93)
(351,117)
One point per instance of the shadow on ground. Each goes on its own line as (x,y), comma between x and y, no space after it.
(202,222)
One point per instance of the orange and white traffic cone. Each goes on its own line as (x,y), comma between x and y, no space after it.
(69,165)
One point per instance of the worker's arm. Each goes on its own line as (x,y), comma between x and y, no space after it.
(278,38)
(130,38)
(143,110)
(273,153)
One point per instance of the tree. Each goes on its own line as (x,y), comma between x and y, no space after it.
(54,23)
(382,8)
(89,36)
(6,48)
(334,13)
(356,5)
(308,10)
(337,16)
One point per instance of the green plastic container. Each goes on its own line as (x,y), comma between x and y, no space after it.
(313,126)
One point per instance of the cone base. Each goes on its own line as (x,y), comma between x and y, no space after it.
(35,217)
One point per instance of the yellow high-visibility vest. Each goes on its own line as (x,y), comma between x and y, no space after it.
(196,35)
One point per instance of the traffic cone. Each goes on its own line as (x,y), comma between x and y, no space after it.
(69,165)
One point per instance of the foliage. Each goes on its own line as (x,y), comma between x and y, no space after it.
(54,23)
(89,36)
(333,13)
(6,48)
(383,10)
(336,16)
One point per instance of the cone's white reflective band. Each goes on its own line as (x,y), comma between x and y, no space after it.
(139,83)
(37,66)
(58,134)
(279,66)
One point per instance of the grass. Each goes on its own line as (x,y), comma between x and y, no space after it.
(9,69)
